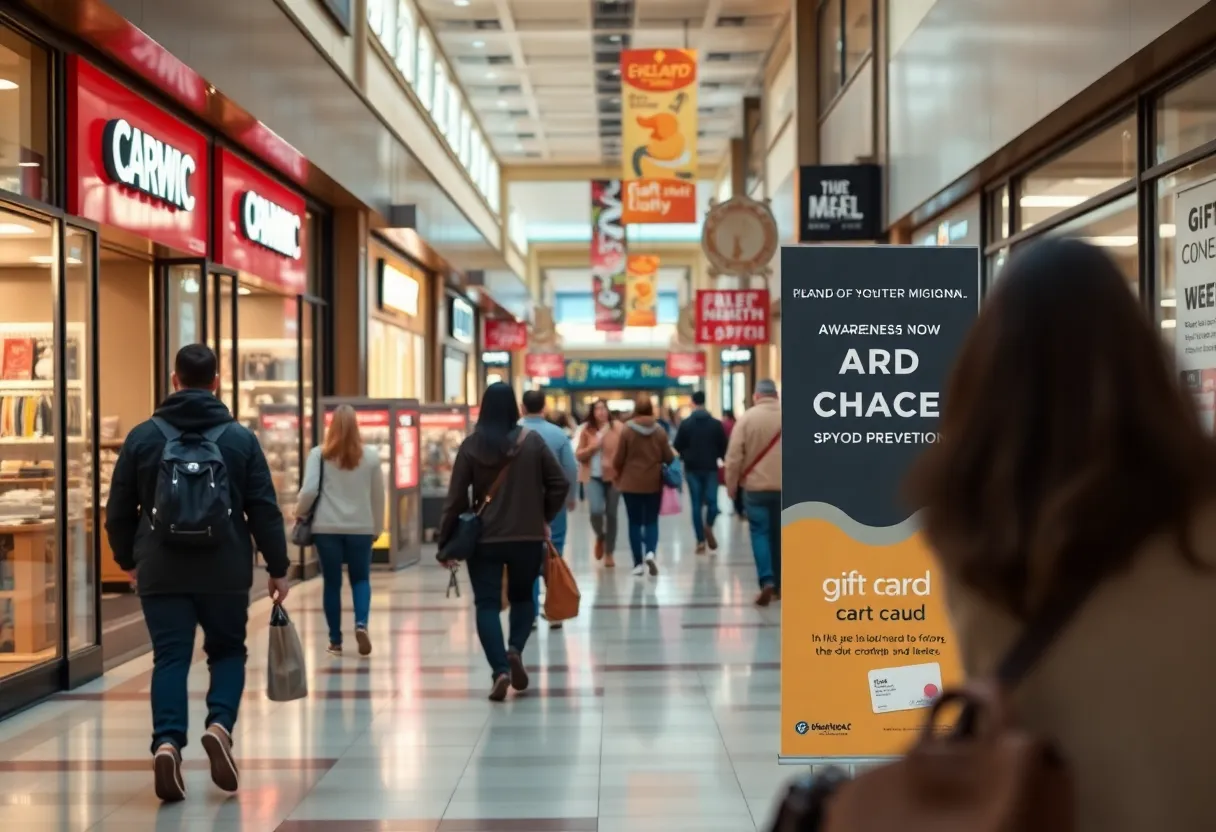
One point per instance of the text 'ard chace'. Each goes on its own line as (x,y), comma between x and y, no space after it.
(907,405)
(143,162)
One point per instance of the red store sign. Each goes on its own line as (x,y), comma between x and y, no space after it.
(259,225)
(133,166)
(732,317)
(545,365)
(685,364)
(504,335)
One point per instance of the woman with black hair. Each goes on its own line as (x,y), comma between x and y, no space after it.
(529,489)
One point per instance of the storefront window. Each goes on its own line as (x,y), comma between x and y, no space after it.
(831,62)
(998,214)
(382,19)
(1186,117)
(184,299)
(407,33)
(29,548)
(455,376)
(493,195)
(466,138)
(24,117)
(1112,227)
(425,83)
(1167,188)
(451,129)
(960,227)
(439,107)
(996,262)
(1093,167)
(859,34)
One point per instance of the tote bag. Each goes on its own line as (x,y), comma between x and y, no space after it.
(562,596)
(286,673)
(670,505)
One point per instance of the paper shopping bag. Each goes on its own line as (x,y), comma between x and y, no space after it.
(286,674)
(670,504)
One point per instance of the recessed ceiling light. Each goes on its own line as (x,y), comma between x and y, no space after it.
(13,229)
(614,38)
(502,103)
(491,74)
(29,165)
(479,44)
(244,290)
(461,2)
(46,260)
(6,84)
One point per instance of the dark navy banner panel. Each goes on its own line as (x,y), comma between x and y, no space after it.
(870,334)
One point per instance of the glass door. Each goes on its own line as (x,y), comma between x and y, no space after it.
(183,312)
(311,311)
(221,335)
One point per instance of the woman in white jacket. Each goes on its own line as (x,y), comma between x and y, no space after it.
(344,483)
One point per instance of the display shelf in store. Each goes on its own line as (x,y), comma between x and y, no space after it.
(28,624)
(391,426)
(443,428)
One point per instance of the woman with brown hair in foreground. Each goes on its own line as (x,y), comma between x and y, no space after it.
(1070,455)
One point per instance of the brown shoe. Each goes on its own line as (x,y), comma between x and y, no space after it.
(765,597)
(519,673)
(364,640)
(711,539)
(776,595)
(167,774)
(217,742)
(599,550)
(700,548)
(609,562)
(501,685)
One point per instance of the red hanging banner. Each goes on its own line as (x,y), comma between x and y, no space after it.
(504,335)
(686,364)
(732,317)
(607,255)
(545,365)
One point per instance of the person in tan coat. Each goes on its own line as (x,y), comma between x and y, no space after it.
(1072,462)
(640,455)
(596,448)
(753,465)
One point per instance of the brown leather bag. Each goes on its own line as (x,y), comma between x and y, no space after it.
(561,590)
(987,775)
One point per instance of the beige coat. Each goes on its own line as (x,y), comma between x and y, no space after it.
(1128,693)
(752,434)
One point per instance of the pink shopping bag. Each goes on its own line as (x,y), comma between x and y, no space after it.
(671,502)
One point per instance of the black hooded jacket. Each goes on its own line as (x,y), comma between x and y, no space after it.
(255,505)
(532,493)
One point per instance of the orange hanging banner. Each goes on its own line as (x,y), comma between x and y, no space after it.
(641,290)
(659,135)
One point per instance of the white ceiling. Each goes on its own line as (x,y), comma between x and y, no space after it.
(544,77)
(560,212)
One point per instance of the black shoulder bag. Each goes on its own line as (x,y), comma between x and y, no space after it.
(467,534)
(301,532)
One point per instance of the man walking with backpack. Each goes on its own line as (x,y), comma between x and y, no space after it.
(190,489)
(753,468)
(701,442)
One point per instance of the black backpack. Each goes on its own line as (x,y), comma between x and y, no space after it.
(192,506)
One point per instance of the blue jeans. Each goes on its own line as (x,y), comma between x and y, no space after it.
(354,550)
(172,623)
(643,513)
(557,533)
(522,561)
(764,521)
(702,491)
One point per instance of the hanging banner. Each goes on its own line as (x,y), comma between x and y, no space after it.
(1195,295)
(873,332)
(732,317)
(544,365)
(686,364)
(659,135)
(503,335)
(607,255)
(642,290)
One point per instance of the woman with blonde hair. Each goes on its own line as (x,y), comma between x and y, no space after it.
(344,488)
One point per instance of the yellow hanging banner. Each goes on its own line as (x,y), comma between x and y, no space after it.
(642,290)
(659,135)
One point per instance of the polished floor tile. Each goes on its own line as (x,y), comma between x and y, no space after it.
(657,709)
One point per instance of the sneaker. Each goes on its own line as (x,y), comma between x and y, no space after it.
(700,548)
(502,684)
(599,550)
(519,673)
(651,564)
(639,570)
(167,773)
(555,625)
(217,742)
(765,597)
(609,562)
(711,538)
(365,641)
(334,650)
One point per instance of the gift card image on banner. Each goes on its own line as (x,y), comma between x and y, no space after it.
(641,290)
(659,135)
(607,255)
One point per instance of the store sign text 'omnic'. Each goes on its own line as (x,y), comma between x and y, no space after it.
(270,225)
(143,162)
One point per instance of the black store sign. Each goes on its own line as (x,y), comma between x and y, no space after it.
(839,203)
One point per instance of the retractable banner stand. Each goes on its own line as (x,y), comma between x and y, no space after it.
(873,332)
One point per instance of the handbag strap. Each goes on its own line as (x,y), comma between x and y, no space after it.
(751,466)
(502,472)
(320,487)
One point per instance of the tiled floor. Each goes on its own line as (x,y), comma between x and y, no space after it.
(655,710)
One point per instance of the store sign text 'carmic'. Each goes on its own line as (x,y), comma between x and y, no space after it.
(143,162)
(270,225)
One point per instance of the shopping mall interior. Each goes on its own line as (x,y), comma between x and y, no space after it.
(393,204)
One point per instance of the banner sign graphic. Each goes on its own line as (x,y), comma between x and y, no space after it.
(642,290)
(1195,295)
(873,331)
(607,255)
(659,135)
(732,317)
